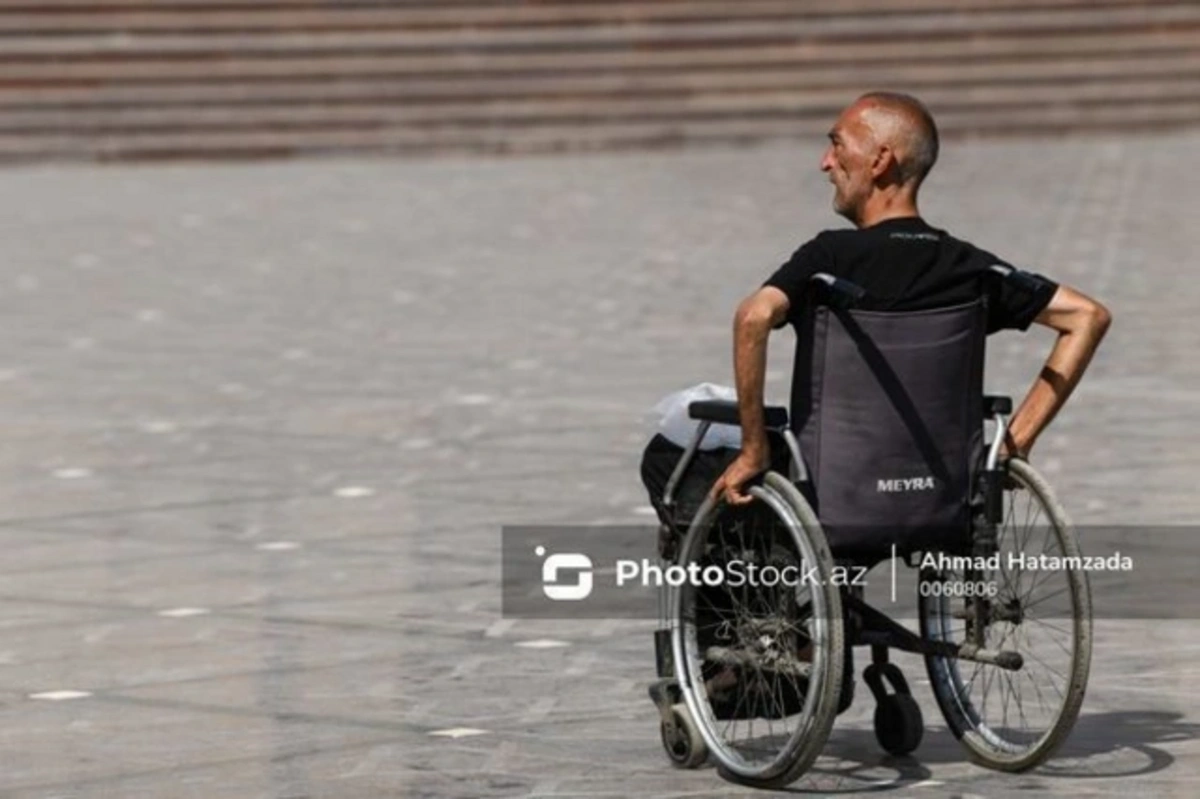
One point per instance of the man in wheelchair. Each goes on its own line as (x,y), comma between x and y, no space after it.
(880,151)
(883,451)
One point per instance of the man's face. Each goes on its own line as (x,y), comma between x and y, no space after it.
(848,163)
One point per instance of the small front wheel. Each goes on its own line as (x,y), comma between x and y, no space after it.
(681,740)
(898,724)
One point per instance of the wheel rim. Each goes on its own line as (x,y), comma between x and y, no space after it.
(746,726)
(1016,716)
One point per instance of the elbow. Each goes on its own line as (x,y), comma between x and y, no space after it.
(1099,319)
(752,315)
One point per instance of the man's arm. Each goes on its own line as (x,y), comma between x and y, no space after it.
(1081,323)
(757,315)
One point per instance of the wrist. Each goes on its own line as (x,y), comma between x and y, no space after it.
(1017,445)
(757,449)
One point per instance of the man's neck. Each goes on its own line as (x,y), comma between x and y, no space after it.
(882,207)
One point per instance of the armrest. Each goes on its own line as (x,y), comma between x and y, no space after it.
(726,412)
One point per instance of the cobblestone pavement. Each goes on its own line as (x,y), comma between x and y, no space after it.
(264,422)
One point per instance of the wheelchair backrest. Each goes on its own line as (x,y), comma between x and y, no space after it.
(890,424)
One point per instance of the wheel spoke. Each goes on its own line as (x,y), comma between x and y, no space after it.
(1026,604)
(1051,668)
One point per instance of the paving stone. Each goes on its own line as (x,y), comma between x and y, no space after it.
(478,342)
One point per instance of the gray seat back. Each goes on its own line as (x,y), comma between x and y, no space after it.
(890,424)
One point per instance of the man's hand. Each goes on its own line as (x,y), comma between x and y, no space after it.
(744,468)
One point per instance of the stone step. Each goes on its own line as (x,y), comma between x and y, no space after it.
(472,10)
(767,104)
(1180,40)
(416,88)
(152,19)
(555,138)
(372,17)
(916,30)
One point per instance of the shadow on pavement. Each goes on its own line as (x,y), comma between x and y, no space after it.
(1120,744)
(1102,745)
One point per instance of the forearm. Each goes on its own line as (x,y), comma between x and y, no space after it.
(750,334)
(1062,371)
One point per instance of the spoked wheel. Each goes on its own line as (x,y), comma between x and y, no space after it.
(759,655)
(1013,720)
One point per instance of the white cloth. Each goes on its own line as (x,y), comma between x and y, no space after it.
(678,428)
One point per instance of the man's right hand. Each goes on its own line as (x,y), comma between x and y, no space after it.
(745,467)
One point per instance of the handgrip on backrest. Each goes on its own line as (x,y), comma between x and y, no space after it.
(840,293)
(1023,279)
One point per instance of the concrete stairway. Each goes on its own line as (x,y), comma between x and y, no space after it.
(248,78)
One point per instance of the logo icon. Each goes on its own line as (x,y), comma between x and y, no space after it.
(564,591)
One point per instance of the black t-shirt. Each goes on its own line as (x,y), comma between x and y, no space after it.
(906,265)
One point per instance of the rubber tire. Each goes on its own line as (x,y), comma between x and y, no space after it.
(829,689)
(899,725)
(684,745)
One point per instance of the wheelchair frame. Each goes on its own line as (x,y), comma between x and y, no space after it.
(867,626)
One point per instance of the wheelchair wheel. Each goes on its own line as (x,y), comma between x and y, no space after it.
(899,726)
(1013,720)
(760,663)
(681,740)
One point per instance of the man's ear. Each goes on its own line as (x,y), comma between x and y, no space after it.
(884,162)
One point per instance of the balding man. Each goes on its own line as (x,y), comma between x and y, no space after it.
(880,150)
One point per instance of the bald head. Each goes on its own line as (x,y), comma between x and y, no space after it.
(880,149)
(904,125)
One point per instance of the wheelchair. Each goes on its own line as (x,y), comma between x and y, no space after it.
(752,673)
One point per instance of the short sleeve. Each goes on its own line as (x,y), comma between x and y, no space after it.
(792,278)
(1013,303)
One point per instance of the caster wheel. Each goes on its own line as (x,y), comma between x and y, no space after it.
(681,739)
(898,724)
